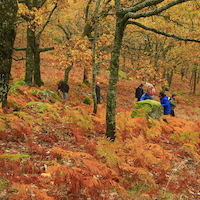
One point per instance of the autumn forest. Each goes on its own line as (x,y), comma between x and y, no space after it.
(66,149)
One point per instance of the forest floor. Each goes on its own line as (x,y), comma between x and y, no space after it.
(46,143)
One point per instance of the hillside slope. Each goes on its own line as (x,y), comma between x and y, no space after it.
(57,149)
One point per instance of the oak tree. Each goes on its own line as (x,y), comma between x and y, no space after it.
(8,17)
(128,13)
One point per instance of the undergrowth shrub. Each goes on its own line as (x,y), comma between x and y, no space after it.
(90,177)
(82,119)
(14,128)
(87,100)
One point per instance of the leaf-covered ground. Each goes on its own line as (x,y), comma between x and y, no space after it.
(52,149)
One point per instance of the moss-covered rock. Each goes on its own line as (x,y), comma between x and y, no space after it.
(87,100)
(46,94)
(14,86)
(147,108)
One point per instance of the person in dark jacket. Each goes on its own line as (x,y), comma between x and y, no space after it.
(172,104)
(147,95)
(62,86)
(165,103)
(98,92)
(139,92)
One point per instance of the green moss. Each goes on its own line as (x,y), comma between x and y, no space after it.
(147,108)
(14,157)
(46,94)
(55,96)
(35,92)
(42,107)
(4,183)
(14,86)
(122,74)
(87,100)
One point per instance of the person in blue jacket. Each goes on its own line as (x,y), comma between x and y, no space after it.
(147,95)
(165,103)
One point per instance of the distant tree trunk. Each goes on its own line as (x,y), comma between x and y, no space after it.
(37,76)
(85,76)
(169,77)
(174,69)
(182,73)
(67,73)
(164,72)
(8,13)
(195,80)
(112,87)
(29,57)
(191,78)
(94,66)
(198,76)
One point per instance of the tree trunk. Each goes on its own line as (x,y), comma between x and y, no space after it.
(85,76)
(195,80)
(182,73)
(169,77)
(29,57)
(8,11)
(37,76)
(94,66)
(112,87)
(67,73)
(198,77)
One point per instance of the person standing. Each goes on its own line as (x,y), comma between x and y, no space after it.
(62,86)
(98,92)
(172,104)
(147,95)
(165,103)
(139,92)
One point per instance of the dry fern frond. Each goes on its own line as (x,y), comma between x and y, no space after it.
(69,154)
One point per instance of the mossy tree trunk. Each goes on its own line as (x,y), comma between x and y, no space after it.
(37,75)
(29,57)
(112,87)
(8,13)
(195,79)
(67,73)
(33,49)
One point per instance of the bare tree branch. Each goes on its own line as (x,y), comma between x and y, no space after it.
(142,4)
(152,12)
(17,59)
(19,49)
(48,20)
(46,49)
(162,33)
(100,61)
